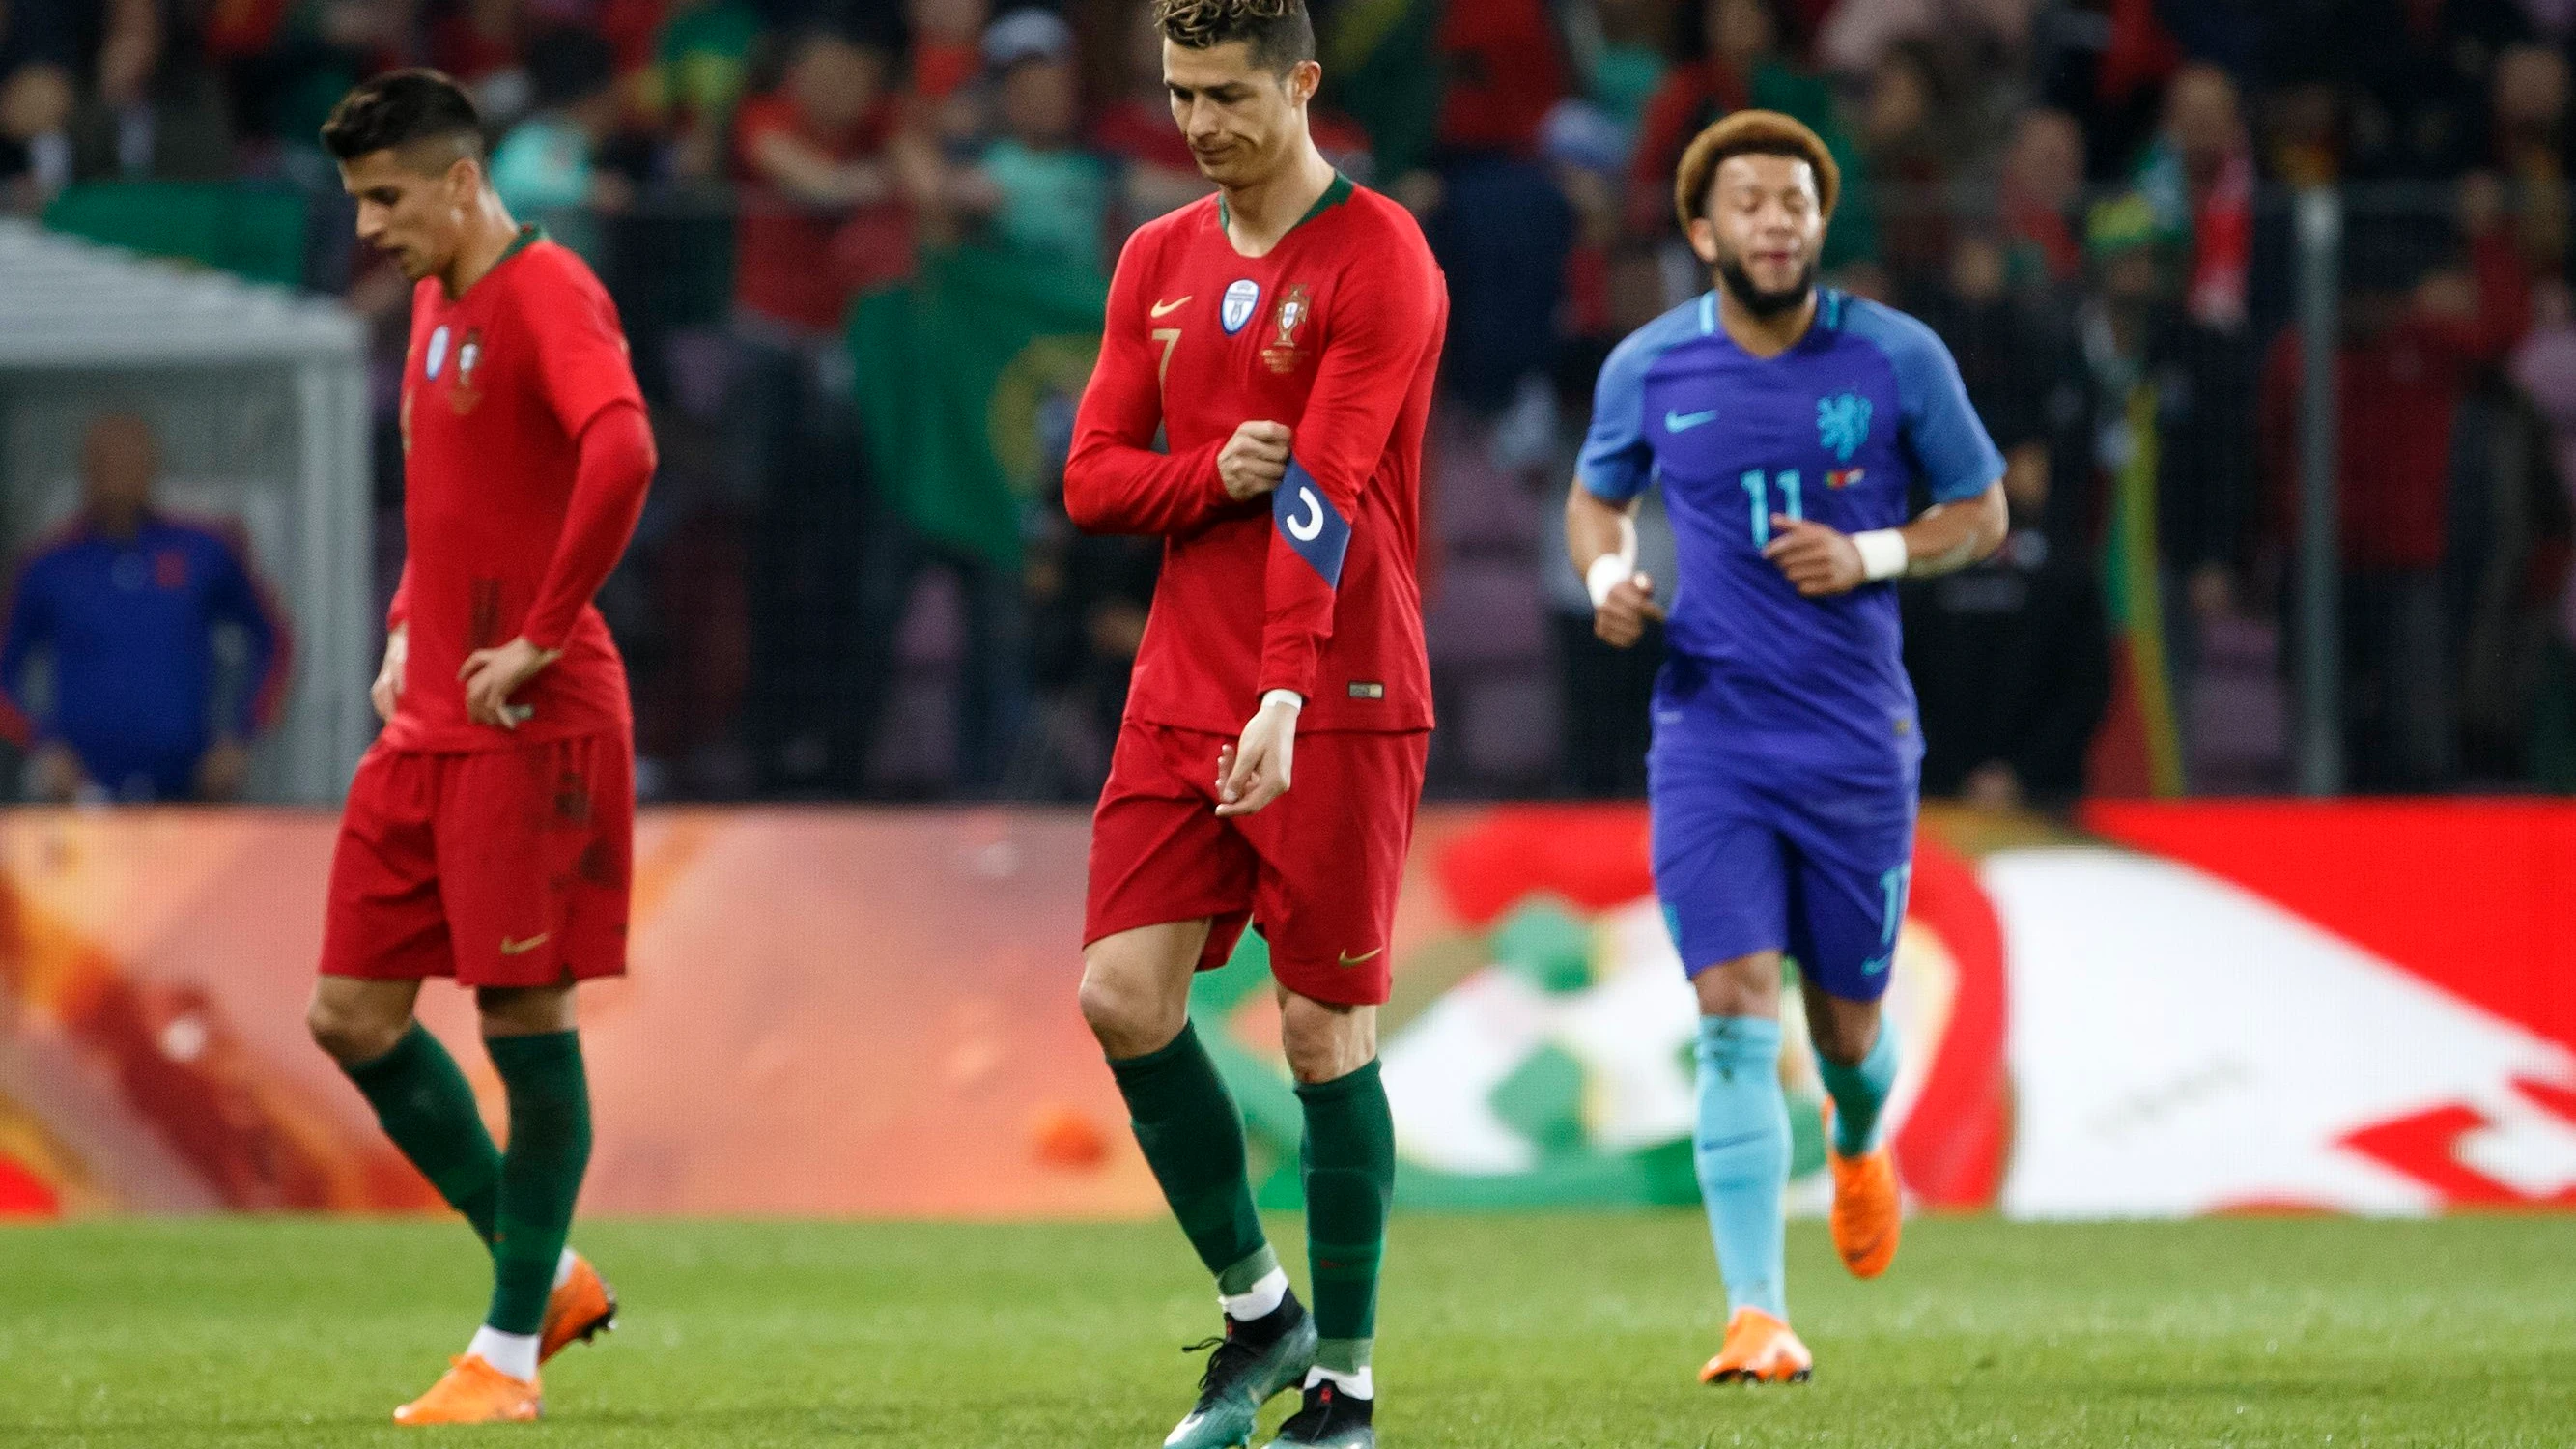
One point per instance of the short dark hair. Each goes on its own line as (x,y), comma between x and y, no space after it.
(1280,34)
(402,109)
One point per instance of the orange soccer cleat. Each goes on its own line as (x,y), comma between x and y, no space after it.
(1869,1212)
(1760,1349)
(474,1392)
(582,1307)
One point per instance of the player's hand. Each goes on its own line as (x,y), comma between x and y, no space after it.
(1622,618)
(492,675)
(1251,774)
(1817,559)
(1253,460)
(387,690)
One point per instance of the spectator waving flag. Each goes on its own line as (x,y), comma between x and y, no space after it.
(967,376)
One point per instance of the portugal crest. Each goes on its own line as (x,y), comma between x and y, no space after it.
(1294,310)
(462,394)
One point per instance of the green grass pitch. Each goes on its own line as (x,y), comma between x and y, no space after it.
(1496,1332)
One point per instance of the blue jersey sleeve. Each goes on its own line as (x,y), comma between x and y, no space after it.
(1618,459)
(1949,443)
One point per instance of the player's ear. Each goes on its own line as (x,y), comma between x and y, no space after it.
(1703,239)
(1304,79)
(464,177)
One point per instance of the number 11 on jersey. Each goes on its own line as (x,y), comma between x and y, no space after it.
(1757,488)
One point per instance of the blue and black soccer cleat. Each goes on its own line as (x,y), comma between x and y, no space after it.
(1330,1420)
(1252,1363)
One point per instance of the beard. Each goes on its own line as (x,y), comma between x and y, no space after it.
(1753,299)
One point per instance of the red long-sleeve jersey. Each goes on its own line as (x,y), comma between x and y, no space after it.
(526,457)
(1335,333)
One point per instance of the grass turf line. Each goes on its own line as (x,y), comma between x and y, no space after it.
(1497,1332)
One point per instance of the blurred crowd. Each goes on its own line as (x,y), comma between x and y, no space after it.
(2092,202)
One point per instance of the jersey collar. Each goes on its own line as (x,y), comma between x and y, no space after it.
(1830,305)
(1334,195)
(529,235)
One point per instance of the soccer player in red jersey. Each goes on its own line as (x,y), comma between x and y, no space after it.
(487,835)
(1283,337)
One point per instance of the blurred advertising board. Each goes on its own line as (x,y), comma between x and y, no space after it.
(2189,1009)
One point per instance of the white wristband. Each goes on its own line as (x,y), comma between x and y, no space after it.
(1288,697)
(1883,554)
(1608,572)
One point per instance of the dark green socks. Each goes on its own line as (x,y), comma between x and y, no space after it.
(541,1172)
(1350,1180)
(426,1108)
(1186,1121)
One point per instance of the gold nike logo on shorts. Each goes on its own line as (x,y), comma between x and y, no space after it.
(1350,960)
(522,948)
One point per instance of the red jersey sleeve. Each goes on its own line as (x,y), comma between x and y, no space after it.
(580,348)
(1386,313)
(1114,481)
(615,471)
(589,385)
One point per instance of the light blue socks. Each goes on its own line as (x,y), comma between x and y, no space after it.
(1859,1091)
(1743,1155)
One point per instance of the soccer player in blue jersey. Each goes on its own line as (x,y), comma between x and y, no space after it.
(1788,425)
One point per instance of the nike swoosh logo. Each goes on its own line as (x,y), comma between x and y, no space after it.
(1166,309)
(1683,422)
(1350,960)
(522,948)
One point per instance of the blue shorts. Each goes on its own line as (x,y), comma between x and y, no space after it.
(1761,854)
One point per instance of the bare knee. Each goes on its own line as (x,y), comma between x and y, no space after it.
(355,1028)
(1843,1030)
(1134,1002)
(1745,986)
(525,1010)
(1325,1041)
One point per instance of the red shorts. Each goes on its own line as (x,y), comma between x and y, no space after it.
(1319,868)
(505,868)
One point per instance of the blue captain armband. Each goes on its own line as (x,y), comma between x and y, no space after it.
(1310,523)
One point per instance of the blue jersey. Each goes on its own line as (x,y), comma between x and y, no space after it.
(129,625)
(1836,429)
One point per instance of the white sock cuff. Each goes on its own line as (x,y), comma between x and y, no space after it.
(514,1354)
(1361,1385)
(563,1267)
(1258,1301)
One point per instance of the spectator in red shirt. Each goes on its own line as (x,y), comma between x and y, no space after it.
(820,218)
(1158,174)
(946,50)
(2043,178)
(2415,339)
(1735,59)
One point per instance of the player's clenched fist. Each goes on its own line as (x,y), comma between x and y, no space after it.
(1253,460)
(388,688)
(1623,613)
(1817,559)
